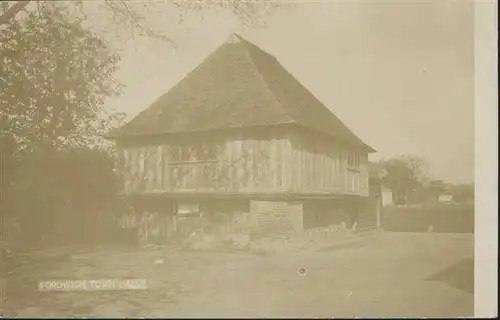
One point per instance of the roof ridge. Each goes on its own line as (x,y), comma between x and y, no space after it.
(266,84)
(320,103)
(228,93)
(150,110)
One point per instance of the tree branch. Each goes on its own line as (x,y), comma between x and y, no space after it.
(13,11)
(122,11)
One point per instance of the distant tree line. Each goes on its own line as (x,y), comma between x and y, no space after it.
(407,177)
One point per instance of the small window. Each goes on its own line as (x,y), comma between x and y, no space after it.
(210,152)
(187,209)
(175,154)
(193,153)
(185,154)
(353,160)
(199,152)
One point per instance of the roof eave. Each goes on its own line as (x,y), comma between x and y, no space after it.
(116,134)
(370,149)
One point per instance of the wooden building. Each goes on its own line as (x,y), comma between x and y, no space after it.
(240,137)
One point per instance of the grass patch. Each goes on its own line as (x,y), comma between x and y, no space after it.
(443,217)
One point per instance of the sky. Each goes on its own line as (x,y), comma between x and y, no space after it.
(399,74)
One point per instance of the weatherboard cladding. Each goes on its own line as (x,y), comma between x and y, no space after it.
(238,85)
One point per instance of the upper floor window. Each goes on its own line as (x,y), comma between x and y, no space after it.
(353,160)
(193,153)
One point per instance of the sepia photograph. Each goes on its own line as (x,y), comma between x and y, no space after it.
(246,159)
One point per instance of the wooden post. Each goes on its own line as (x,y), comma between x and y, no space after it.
(378,210)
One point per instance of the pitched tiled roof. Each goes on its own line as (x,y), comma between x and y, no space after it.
(238,85)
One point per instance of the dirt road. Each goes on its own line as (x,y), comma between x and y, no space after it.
(397,275)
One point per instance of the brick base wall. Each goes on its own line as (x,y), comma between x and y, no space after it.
(275,219)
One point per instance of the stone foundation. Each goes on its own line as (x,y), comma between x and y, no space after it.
(242,224)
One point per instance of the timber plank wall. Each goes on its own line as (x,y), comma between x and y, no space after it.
(256,162)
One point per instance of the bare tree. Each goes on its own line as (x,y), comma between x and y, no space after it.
(133,16)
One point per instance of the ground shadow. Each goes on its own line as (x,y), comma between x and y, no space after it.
(459,275)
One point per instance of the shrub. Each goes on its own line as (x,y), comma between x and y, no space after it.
(59,197)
